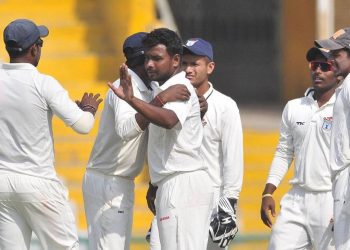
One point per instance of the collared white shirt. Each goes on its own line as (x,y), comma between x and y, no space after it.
(178,149)
(121,145)
(305,135)
(222,147)
(28,100)
(340,141)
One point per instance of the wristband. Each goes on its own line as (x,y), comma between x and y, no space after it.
(266,195)
(160,100)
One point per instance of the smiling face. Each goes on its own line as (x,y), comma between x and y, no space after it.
(323,79)
(159,64)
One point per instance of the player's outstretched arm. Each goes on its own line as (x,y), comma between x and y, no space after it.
(89,103)
(160,116)
(177,92)
(268,205)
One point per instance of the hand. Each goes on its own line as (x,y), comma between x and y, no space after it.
(89,102)
(124,91)
(150,197)
(223,227)
(177,92)
(203,105)
(267,206)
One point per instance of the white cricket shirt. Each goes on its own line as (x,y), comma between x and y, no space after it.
(177,150)
(121,145)
(222,147)
(340,142)
(305,134)
(28,100)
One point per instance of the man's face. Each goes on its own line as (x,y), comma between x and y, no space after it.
(160,66)
(322,75)
(197,69)
(341,62)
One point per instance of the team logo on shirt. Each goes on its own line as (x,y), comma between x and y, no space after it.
(327,123)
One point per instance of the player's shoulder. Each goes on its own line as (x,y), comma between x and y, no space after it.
(46,80)
(179,78)
(300,101)
(221,100)
(298,105)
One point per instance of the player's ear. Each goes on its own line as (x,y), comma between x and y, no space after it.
(210,67)
(176,60)
(33,50)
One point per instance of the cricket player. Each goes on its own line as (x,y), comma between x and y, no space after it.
(307,208)
(118,155)
(184,198)
(31,196)
(339,44)
(222,146)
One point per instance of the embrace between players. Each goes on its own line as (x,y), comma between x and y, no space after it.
(194,153)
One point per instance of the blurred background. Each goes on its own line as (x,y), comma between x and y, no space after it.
(259,50)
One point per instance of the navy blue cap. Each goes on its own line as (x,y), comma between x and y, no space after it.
(133,46)
(199,47)
(312,53)
(23,33)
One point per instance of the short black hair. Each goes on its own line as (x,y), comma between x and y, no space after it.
(164,36)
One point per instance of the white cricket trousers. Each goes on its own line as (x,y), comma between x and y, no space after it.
(184,205)
(304,221)
(30,204)
(342,210)
(109,202)
(155,241)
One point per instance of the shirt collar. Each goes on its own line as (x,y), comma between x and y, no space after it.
(16,66)
(165,85)
(209,91)
(310,92)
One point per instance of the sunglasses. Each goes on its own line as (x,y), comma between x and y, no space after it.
(40,42)
(324,66)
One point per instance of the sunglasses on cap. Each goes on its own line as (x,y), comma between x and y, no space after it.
(324,66)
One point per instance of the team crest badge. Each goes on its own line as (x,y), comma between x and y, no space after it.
(327,123)
(191,42)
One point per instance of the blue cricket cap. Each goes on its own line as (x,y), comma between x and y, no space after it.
(199,47)
(23,33)
(133,46)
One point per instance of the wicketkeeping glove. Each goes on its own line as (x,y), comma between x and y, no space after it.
(223,227)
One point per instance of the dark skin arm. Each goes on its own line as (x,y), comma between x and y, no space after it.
(203,105)
(268,205)
(160,116)
(89,102)
(178,92)
(150,197)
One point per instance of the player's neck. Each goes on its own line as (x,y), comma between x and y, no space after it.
(323,97)
(203,88)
